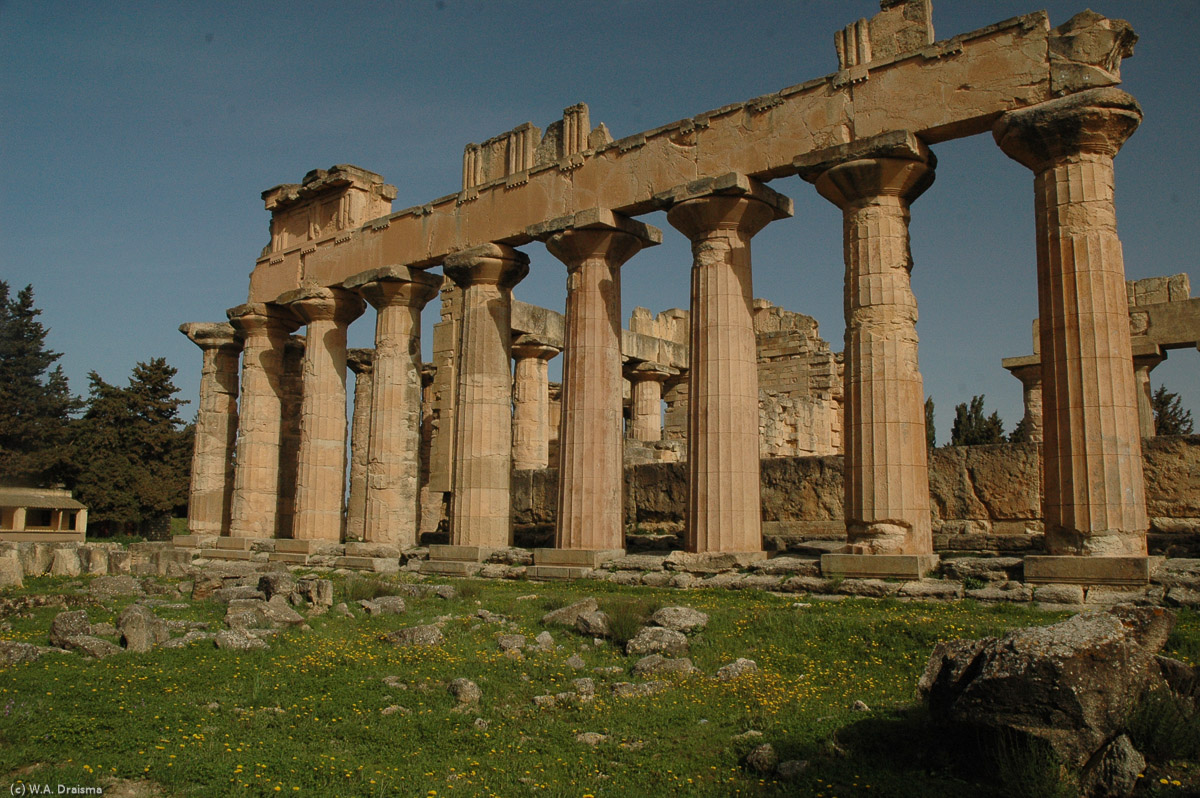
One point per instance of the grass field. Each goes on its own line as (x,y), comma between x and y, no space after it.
(308,716)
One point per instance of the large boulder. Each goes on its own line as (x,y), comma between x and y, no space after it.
(657,640)
(69,624)
(569,615)
(11,572)
(1071,684)
(141,629)
(13,652)
(681,619)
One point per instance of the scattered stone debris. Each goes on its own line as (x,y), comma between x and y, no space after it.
(465,690)
(569,616)
(680,619)
(738,668)
(427,635)
(657,640)
(762,759)
(590,738)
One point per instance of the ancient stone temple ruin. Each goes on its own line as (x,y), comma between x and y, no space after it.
(437,443)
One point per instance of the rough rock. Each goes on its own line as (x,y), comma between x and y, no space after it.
(590,738)
(69,624)
(428,635)
(545,641)
(680,619)
(318,592)
(280,613)
(1071,684)
(187,639)
(762,759)
(11,572)
(576,662)
(65,563)
(1011,591)
(92,646)
(657,640)
(510,642)
(709,562)
(631,690)
(569,615)
(788,566)
(806,584)
(931,589)
(1114,770)
(225,595)
(110,586)
(1058,594)
(593,624)
(383,605)
(655,664)
(276,583)
(869,588)
(739,667)
(791,769)
(584,686)
(238,640)
(141,630)
(988,569)
(15,653)
(465,690)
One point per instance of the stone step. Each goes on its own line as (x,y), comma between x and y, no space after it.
(379,565)
(557,572)
(450,567)
(227,554)
(295,558)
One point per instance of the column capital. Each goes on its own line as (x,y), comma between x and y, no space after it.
(595,232)
(487,264)
(360,361)
(1097,121)
(262,317)
(644,370)
(525,346)
(895,164)
(730,202)
(395,285)
(1027,368)
(319,303)
(214,335)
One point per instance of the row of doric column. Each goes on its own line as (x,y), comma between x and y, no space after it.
(1093,505)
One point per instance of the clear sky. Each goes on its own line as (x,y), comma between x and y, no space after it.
(137,137)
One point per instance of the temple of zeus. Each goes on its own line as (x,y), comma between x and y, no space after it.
(276,448)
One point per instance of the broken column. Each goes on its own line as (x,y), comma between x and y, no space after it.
(321,460)
(254,508)
(593,244)
(874,181)
(393,469)
(531,403)
(1146,357)
(720,216)
(361,362)
(211,493)
(1094,498)
(481,503)
(645,397)
(1028,370)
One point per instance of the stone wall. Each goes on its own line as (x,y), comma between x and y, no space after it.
(982,498)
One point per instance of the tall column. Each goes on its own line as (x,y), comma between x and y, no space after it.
(361,362)
(593,244)
(1094,499)
(886,459)
(531,403)
(393,469)
(321,460)
(291,398)
(719,217)
(1145,359)
(481,503)
(254,507)
(211,494)
(645,395)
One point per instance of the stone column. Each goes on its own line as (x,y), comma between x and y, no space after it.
(393,470)
(211,494)
(1028,370)
(593,244)
(531,403)
(719,216)
(1094,500)
(645,396)
(361,362)
(1145,358)
(321,461)
(292,397)
(480,513)
(886,458)
(264,328)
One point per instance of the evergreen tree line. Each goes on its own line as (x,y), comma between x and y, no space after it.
(123,451)
(973,428)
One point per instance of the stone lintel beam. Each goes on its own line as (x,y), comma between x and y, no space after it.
(730,184)
(360,361)
(597,219)
(1005,66)
(901,144)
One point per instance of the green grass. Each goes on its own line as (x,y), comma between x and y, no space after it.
(305,717)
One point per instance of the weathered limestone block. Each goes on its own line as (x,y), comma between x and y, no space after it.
(996,483)
(141,630)
(1172,469)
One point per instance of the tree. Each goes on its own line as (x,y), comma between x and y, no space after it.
(1169,416)
(35,401)
(972,429)
(1020,433)
(930,432)
(133,452)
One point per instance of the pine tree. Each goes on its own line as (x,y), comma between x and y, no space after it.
(132,453)
(930,432)
(1020,433)
(1169,416)
(971,428)
(35,400)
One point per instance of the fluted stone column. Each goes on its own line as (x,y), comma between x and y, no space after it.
(593,244)
(531,403)
(264,327)
(1028,370)
(291,399)
(1094,500)
(886,459)
(210,496)
(1145,358)
(321,461)
(719,217)
(362,363)
(393,470)
(480,514)
(645,396)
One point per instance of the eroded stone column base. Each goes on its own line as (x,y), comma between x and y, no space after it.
(1046,569)
(569,563)
(451,560)
(878,566)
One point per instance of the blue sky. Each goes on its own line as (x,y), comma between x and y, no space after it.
(138,136)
